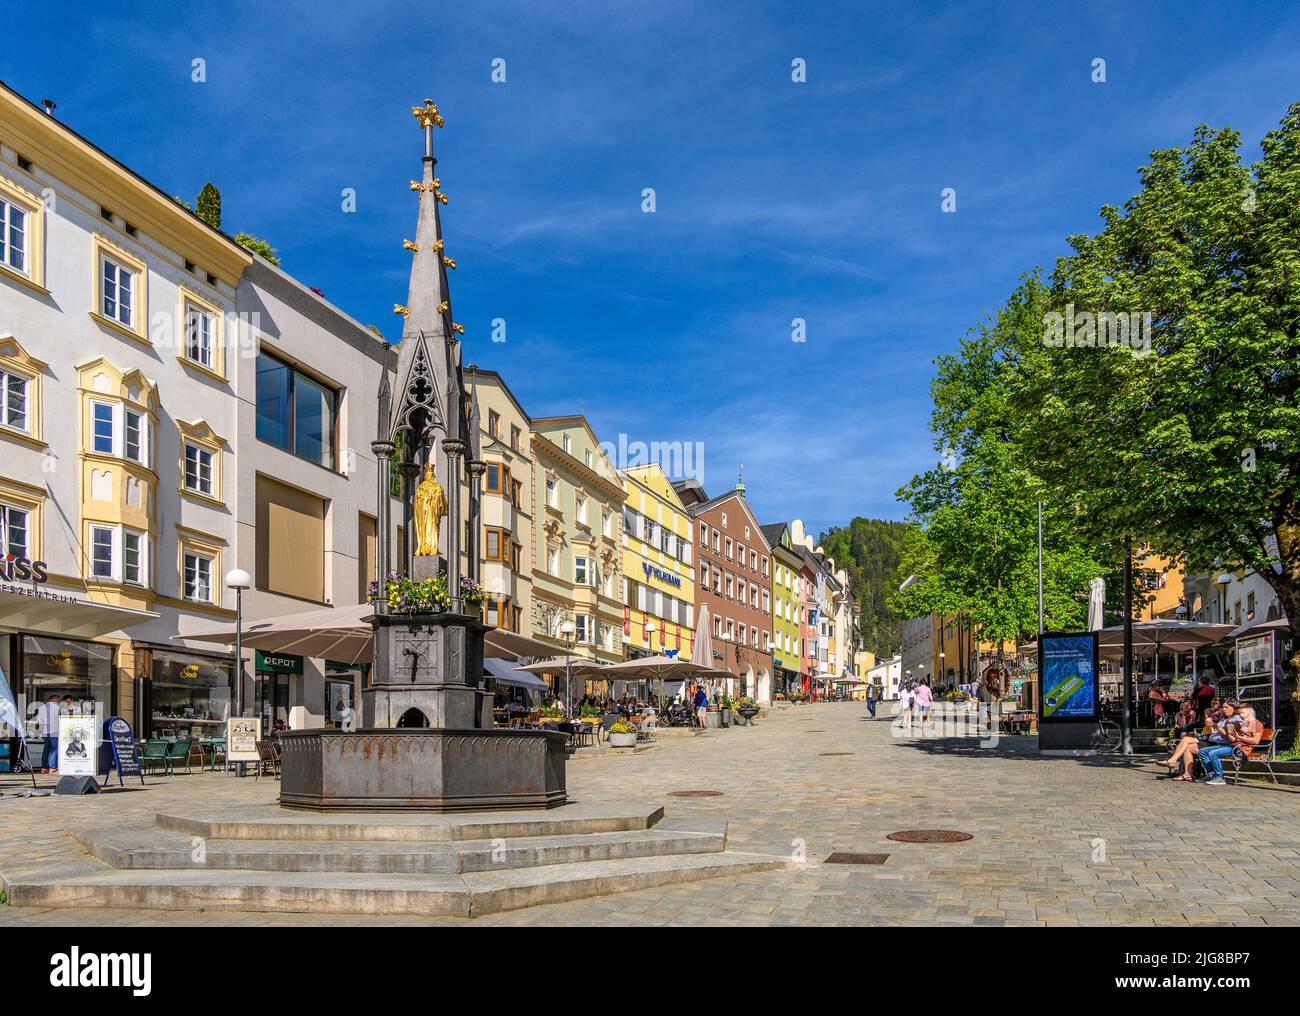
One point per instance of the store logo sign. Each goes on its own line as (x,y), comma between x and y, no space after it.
(652,572)
(21,569)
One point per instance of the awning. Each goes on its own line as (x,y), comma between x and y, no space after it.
(508,672)
(53,612)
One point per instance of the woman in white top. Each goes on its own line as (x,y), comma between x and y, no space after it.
(906,702)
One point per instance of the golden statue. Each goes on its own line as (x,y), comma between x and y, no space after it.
(430,509)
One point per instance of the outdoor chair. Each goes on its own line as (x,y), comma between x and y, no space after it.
(1262,752)
(155,753)
(177,751)
(267,758)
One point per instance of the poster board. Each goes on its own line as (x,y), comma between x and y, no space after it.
(126,760)
(78,745)
(1068,693)
(242,735)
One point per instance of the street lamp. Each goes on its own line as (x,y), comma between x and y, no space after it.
(239,580)
(650,629)
(1225,579)
(567,631)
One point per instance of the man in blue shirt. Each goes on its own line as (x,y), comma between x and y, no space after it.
(701,705)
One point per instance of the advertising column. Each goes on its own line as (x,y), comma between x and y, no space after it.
(1067,706)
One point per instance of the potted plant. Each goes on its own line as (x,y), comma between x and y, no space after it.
(622,734)
(747,709)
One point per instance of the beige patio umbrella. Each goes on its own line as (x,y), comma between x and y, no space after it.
(571,667)
(343,635)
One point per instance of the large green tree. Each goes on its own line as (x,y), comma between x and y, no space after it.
(1193,447)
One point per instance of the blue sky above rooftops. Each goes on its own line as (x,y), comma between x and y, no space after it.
(775,200)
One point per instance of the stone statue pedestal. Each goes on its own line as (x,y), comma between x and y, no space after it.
(427,741)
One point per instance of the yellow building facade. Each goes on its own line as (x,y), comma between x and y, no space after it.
(658,573)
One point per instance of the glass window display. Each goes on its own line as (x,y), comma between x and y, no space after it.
(191,695)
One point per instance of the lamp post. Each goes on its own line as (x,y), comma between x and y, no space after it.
(943,673)
(1224,580)
(567,631)
(650,629)
(239,580)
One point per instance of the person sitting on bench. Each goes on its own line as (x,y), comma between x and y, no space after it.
(1245,736)
(1214,735)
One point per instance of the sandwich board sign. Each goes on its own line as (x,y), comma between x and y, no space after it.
(126,760)
(242,735)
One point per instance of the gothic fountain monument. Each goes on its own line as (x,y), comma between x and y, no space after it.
(426,741)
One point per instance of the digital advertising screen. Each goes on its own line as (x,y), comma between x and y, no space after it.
(1067,665)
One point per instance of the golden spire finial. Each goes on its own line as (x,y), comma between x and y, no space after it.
(427,115)
(416,185)
(410,245)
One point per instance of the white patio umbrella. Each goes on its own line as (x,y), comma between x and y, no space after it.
(1096,604)
(570,666)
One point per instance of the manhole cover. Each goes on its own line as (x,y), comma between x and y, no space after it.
(842,858)
(696,793)
(830,754)
(929,836)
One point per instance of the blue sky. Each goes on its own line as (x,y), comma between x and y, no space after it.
(775,200)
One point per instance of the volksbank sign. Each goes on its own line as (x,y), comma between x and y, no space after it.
(652,572)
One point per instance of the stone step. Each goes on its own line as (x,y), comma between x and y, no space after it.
(270,822)
(472,894)
(158,849)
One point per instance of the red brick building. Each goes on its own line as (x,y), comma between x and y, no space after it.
(734,581)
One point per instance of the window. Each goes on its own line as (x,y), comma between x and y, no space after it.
(101,552)
(581,573)
(580,509)
(715,541)
(102,439)
(494,423)
(731,631)
(704,534)
(134,565)
(767,602)
(607,524)
(740,554)
(198,577)
(730,549)
(514,437)
(15,531)
(552,492)
(586,456)
(730,588)
(516,493)
(717,627)
(607,583)
(134,428)
(118,293)
(553,562)
(198,470)
(294,412)
(13,237)
(585,628)
(14,392)
(199,337)
(290,541)
(497,478)
(492,549)
(753,560)
(568,445)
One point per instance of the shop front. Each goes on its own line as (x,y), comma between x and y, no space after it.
(274,674)
(186,694)
(55,658)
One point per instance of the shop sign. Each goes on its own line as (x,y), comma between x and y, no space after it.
(78,746)
(21,569)
(277,663)
(652,572)
(242,735)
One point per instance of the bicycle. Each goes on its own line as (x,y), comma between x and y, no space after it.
(1108,734)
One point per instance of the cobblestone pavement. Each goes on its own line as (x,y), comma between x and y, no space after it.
(1055,841)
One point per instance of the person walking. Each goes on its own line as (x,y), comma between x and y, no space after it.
(906,702)
(871,700)
(924,700)
(701,706)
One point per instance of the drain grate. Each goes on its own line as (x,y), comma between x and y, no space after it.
(929,836)
(831,754)
(843,858)
(696,793)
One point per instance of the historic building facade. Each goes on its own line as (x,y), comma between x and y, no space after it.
(734,582)
(658,572)
(133,342)
(506,548)
(787,611)
(577,525)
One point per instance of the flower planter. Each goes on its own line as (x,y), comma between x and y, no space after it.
(747,714)
(622,740)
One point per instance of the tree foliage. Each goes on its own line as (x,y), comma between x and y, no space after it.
(208,205)
(869,550)
(259,247)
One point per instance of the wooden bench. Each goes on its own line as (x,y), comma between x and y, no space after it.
(1262,752)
